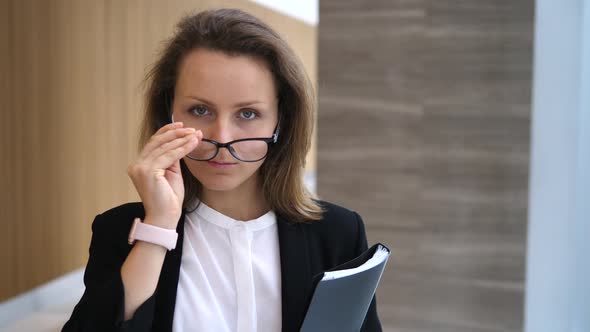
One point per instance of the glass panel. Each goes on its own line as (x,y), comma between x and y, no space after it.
(250,150)
(205,150)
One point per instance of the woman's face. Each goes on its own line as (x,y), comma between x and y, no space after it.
(227,98)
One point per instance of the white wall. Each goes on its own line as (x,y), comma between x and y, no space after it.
(305,10)
(558,262)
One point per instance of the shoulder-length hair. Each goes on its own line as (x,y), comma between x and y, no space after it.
(235,32)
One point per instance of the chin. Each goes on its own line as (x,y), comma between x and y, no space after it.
(224,182)
(220,184)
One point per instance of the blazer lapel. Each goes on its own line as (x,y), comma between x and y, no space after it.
(295,273)
(168,283)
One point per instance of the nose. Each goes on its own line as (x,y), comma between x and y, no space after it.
(220,130)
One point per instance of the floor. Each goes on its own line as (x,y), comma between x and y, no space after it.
(44,309)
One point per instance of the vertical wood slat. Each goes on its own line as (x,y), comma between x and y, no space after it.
(70,103)
(7,280)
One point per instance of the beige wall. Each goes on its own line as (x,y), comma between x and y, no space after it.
(70,101)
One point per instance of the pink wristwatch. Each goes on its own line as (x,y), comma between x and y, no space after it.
(153,234)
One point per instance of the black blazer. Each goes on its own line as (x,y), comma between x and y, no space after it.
(305,250)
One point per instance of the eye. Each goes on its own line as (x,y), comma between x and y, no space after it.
(248,114)
(199,110)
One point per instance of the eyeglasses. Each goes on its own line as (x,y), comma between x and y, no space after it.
(245,149)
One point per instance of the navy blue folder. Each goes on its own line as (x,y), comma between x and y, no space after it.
(341,304)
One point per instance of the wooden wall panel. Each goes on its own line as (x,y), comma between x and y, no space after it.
(8,280)
(70,99)
(423,128)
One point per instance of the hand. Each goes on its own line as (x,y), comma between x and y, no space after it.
(156,173)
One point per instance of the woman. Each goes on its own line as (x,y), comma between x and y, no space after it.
(226,237)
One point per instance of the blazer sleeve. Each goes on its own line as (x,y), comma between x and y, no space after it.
(371,323)
(102,306)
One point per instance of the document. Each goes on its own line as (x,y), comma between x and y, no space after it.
(343,294)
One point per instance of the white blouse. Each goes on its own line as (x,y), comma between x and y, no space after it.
(230,274)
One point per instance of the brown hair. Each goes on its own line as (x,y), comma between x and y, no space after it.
(235,32)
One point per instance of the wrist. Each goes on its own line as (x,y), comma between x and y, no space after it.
(150,247)
(164,237)
(162,222)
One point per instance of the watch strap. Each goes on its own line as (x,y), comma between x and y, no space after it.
(164,237)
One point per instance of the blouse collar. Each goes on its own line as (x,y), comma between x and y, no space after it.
(217,218)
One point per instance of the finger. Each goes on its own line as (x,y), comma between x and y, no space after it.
(173,144)
(171,156)
(173,171)
(167,127)
(157,140)
(175,167)
(162,130)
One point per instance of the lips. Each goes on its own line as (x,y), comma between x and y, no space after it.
(218,164)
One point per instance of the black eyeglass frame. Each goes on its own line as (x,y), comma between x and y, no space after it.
(268,140)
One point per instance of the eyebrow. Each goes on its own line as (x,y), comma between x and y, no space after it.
(240,104)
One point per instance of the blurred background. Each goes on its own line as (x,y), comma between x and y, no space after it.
(458,129)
